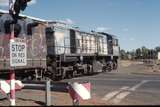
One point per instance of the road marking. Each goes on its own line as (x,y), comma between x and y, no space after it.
(114,93)
(138,85)
(119,95)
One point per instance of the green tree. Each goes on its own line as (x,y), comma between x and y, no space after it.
(123,54)
(138,53)
(145,52)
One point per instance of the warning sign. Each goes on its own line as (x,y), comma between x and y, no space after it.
(18,54)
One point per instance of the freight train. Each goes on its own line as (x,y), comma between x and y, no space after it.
(55,50)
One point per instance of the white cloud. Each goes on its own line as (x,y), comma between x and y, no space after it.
(67,21)
(32,2)
(132,39)
(125,29)
(102,29)
(6,2)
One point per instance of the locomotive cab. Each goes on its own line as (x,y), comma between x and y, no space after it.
(30,32)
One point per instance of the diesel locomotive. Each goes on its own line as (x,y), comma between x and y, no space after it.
(55,50)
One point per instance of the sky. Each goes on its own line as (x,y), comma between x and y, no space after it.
(136,23)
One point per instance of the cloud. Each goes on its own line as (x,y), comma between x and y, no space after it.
(102,29)
(6,2)
(132,39)
(67,21)
(125,29)
(32,2)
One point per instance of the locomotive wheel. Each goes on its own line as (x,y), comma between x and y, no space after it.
(63,72)
(69,74)
(46,78)
(109,66)
(73,74)
(89,69)
(115,65)
(50,74)
(104,69)
(53,77)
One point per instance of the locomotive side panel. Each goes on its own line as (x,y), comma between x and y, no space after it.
(85,43)
(4,42)
(38,47)
(36,44)
(102,45)
(115,47)
(62,41)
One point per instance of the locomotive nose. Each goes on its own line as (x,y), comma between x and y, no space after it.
(7,26)
(17,30)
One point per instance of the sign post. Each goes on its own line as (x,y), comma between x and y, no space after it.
(12,73)
(17,49)
(18,57)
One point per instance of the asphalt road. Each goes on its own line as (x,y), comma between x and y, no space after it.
(116,88)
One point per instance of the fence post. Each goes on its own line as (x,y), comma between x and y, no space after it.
(48,93)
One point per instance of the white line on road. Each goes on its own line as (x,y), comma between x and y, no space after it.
(119,95)
(138,85)
(114,93)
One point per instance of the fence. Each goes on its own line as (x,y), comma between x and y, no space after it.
(47,86)
(76,90)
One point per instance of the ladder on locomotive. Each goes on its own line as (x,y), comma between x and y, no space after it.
(58,63)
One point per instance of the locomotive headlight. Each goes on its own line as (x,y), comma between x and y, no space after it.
(7,26)
(17,30)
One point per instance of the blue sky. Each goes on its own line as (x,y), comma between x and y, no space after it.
(136,23)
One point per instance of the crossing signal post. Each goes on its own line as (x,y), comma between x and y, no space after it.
(16,7)
(20,5)
(14,10)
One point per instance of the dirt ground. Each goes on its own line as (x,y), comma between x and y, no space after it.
(37,98)
(137,67)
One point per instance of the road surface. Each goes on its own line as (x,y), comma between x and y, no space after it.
(116,88)
(133,84)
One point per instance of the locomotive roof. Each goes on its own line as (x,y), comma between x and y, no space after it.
(104,33)
(94,32)
(59,23)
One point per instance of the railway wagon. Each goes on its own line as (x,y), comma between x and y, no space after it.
(72,52)
(32,32)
